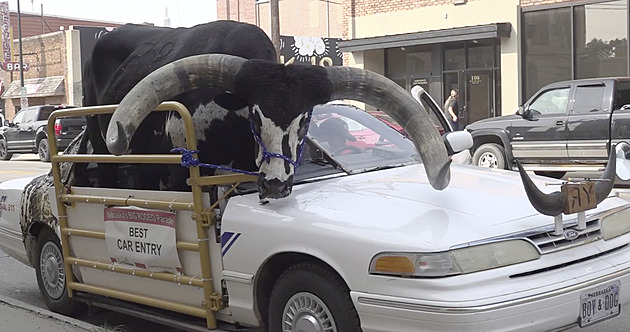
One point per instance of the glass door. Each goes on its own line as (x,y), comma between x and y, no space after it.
(478,96)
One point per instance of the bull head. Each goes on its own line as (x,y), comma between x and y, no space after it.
(553,204)
(281,99)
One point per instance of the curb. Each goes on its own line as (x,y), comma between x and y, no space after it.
(47,314)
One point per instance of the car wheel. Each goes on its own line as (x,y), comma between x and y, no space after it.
(42,150)
(51,275)
(555,175)
(4,153)
(310,297)
(489,155)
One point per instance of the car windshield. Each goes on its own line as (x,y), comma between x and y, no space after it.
(345,139)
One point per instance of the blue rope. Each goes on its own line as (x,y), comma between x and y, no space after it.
(189,161)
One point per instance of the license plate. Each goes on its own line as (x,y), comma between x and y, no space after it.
(599,303)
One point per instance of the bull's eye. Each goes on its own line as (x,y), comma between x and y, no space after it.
(303,128)
(257,122)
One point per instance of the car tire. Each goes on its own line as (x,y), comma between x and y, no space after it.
(311,297)
(51,275)
(489,155)
(4,150)
(43,152)
(555,175)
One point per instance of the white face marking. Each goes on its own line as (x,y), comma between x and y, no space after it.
(272,136)
(202,118)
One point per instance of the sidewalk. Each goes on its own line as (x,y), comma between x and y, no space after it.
(19,316)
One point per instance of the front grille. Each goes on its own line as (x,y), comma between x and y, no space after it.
(565,264)
(547,242)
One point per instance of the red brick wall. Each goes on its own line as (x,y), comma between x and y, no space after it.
(240,10)
(46,56)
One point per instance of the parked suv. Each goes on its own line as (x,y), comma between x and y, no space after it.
(27,132)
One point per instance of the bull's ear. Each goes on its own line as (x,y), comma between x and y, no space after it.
(230,102)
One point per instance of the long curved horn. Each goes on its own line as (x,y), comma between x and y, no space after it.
(548,204)
(605,186)
(212,70)
(376,90)
(553,204)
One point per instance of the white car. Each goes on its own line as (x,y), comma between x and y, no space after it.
(364,243)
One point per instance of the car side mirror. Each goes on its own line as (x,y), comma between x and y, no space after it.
(622,150)
(519,110)
(457,141)
(7,123)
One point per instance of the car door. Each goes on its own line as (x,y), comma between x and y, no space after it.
(540,137)
(588,124)
(27,129)
(12,133)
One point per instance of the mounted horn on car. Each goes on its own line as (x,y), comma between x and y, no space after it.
(555,203)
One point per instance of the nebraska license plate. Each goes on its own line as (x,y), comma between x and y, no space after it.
(599,303)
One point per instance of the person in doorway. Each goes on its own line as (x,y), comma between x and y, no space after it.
(451,109)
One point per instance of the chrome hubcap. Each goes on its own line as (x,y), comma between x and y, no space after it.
(52,270)
(306,312)
(488,160)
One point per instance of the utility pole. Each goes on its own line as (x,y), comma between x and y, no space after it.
(23,96)
(275,25)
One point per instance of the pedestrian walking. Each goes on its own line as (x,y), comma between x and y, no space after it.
(451,109)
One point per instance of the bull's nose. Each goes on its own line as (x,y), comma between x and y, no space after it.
(273,188)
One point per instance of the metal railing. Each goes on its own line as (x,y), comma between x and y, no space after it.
(204,218)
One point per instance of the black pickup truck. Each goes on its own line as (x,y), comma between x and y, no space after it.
(565,126)
(27,132)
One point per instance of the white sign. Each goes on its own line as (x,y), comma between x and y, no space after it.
(142,238)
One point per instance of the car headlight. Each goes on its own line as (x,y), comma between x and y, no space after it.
(616,224)
(457,261)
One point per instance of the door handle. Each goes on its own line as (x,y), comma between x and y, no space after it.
(559,123)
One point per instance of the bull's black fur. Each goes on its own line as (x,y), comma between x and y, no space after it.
(123,57)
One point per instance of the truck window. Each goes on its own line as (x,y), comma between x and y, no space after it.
(29,115)
(44,113)
(588,98)
(551,101)
(19,118)
(622,96)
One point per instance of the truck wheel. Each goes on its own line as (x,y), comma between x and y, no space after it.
(321,304)
(51,275)
(42,150)
(489,155)
(4,150)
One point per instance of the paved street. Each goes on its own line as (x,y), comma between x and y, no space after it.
(19,282)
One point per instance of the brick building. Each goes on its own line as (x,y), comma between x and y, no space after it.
(54,60)
(496,52)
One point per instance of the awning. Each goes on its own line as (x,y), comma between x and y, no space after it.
(485,31)
(36,87)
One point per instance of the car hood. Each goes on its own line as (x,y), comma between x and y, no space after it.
(398,207)
(493,122)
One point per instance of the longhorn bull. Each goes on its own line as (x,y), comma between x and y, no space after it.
(279,100)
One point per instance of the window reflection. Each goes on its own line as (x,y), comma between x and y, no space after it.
(601,46)
(547,48)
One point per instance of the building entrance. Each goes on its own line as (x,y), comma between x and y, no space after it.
(477,97)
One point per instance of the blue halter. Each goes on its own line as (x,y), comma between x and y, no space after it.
(189,161)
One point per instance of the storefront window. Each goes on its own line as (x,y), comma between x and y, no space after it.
(419,59)
(396,63)
(481,54)
(547,36)
(600,45)
(454,56)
